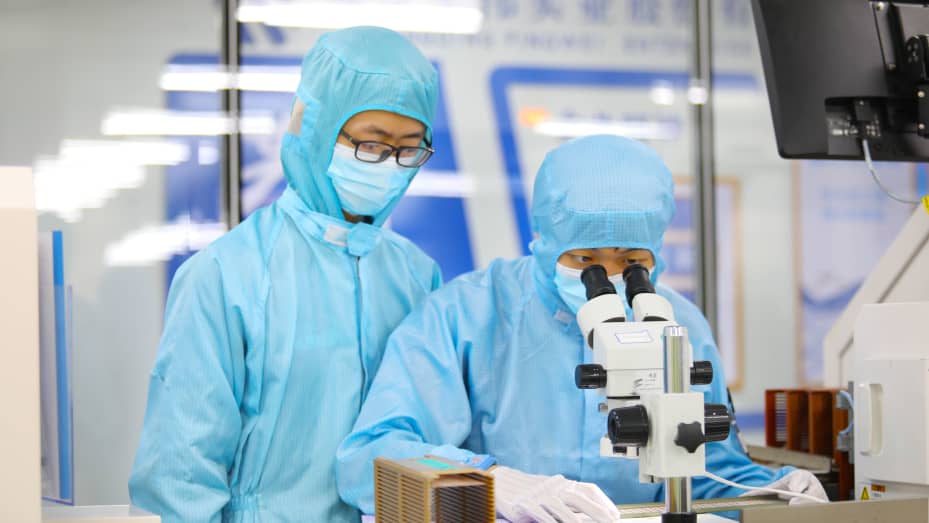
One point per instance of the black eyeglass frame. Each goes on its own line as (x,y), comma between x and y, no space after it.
(390,151)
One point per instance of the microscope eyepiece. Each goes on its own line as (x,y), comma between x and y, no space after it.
(596,282)
(637,282)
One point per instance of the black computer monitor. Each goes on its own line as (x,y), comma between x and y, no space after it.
(838,71)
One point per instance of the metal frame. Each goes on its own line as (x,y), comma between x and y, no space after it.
(231,205)
(704,168)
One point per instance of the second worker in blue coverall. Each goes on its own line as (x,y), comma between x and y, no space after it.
(486,364)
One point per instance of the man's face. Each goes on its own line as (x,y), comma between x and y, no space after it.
(613,259)
(383,126)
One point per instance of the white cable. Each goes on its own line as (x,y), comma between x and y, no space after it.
(848,397)
(867,158)
(724,481)
(851,418)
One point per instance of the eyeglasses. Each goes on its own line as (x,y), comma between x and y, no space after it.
(377,152)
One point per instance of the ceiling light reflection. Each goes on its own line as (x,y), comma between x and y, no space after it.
(158,243)
(154,122)
(454,17)
(639,130)
(86,173)
(211,78)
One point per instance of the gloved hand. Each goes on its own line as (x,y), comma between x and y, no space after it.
(523,498)
(802,481)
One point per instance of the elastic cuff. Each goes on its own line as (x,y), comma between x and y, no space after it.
(451,452)
(466,457)
(481,461)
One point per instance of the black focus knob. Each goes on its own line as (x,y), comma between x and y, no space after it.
(590,376)
(717,421)
(701,373)
(596,282)
(628,426)
(689,436)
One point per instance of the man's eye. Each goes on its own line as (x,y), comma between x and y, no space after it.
(583,259)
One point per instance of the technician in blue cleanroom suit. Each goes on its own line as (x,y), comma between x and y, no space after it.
(274,332)
(485,366)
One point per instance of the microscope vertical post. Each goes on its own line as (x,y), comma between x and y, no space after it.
(676,380)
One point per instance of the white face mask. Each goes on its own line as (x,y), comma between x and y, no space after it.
(365,188)
(572,290)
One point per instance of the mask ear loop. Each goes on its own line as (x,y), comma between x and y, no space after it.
(567,271)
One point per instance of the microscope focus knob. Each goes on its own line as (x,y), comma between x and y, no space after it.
(590,376)
(628,426)
(689,436)
(701,373)
(716,421)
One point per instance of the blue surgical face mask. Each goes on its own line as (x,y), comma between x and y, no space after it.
(572,290)
(365,188)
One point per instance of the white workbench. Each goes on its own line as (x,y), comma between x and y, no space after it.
(701,518)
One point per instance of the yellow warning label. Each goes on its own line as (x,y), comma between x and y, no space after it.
(864,494)
(926,202)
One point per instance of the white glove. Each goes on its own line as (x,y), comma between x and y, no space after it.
(802,481)
(523,498)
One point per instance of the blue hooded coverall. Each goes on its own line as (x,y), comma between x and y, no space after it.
(274,332)
(486,364)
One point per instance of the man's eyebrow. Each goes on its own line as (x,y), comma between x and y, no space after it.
(620,251)
(374,129)
(418,134)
